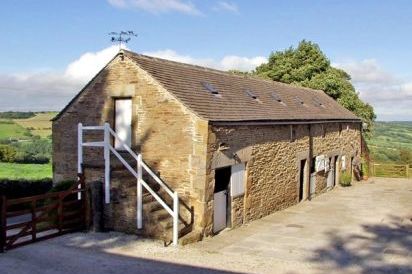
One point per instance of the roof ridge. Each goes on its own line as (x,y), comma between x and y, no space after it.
(253,77)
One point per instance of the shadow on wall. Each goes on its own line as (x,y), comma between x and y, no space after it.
(379,248)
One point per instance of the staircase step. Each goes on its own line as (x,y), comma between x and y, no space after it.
(152,206)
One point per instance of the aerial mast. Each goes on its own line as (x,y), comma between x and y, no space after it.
(122,37)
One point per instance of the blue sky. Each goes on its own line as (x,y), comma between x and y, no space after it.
(44,45)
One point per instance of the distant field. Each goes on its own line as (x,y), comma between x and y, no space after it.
(388,139)
(38,125)
(9,129)
(25,171)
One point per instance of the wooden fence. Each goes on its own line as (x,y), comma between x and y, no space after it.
(390,170)
(31,219)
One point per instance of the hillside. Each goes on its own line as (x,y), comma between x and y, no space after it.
(388,139)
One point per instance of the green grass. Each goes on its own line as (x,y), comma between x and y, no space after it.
(9,129)
(39,125)
(25,171)
(388,139)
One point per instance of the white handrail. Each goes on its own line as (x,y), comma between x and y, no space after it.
(158,180)
(138,174)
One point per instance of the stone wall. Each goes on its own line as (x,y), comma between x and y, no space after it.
(273,154)
(172,140)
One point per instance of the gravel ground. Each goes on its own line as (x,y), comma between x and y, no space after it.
(366,228)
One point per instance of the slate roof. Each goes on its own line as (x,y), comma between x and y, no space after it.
(240,98)
(234,102)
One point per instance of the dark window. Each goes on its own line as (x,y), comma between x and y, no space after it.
(222,178)
(313,164)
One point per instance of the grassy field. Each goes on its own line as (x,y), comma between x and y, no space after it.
(39,125)
(25,171)
(11,130)
(19,133)
(388,139)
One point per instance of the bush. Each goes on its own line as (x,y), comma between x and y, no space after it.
(63,185)
(38,151)
(24,188)
(345,179)
(7,153)
(16,115)
(24,158)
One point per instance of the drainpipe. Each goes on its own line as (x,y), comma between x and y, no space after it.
(310,159)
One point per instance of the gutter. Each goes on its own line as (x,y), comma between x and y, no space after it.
(283,122)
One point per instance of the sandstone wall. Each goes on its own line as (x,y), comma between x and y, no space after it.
(172,140)
(272,155)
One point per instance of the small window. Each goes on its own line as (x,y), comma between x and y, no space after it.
(211,89)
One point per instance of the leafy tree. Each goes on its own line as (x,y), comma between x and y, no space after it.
(7,153)
(308,66)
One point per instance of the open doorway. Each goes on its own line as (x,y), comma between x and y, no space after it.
(220,208)
(303,180)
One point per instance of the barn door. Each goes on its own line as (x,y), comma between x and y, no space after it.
(123,122)
(220,211)
(331,174)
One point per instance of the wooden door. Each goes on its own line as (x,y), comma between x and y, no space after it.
(123,122)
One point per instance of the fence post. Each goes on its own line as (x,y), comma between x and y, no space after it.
(86,207)
(106,163)
(60,213)
(33,220)
(175,218)
(407,171)
(79,152)
(3,223)
(139,206)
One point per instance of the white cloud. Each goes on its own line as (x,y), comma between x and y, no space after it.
(390,95)
(226,6)
(158,6)
(84,68)
(226,63)
(51,90)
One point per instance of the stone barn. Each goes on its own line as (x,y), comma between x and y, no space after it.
(223,149)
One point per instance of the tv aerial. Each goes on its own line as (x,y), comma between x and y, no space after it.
(122,37)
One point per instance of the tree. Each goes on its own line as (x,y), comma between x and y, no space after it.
(308,66)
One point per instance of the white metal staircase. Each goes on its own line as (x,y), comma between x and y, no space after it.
(108,148)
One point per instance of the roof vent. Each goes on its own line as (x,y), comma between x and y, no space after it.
(211,89)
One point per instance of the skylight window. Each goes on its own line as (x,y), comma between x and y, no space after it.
(277,98)
(211,89)
(251,94)
(299,100)
(318,103)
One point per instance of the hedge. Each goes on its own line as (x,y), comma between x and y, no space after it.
(23,188)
